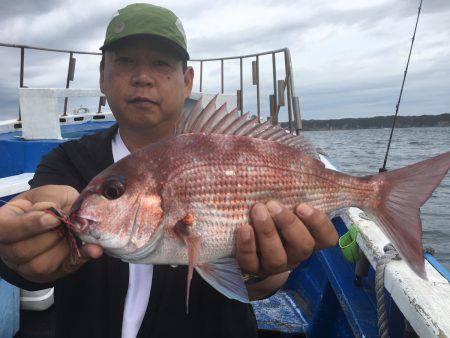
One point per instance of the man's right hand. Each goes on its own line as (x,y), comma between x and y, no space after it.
(29,244)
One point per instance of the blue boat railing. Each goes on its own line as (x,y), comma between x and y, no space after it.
(321,300)
(438,266)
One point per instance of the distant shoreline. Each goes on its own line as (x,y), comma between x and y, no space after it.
(377,122)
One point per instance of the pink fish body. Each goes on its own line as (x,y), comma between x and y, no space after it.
(180,201)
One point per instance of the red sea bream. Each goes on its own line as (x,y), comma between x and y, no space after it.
(181,200)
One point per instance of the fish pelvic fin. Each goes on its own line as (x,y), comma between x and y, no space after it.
(225,276)
(402,193)
(193,245)
(183,229)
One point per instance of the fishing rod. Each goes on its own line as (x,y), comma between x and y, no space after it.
(401,91)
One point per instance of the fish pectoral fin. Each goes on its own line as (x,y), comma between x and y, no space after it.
(183,228)
(225,276)
(193,247)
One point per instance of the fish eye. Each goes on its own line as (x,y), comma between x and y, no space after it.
(113,187)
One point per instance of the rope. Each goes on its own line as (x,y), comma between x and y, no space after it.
(390,253)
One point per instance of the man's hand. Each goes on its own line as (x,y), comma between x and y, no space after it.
(279,241)
(29,244)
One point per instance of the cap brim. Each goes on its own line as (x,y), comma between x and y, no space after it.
(177,49)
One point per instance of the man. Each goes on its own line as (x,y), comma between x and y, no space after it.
(145,78)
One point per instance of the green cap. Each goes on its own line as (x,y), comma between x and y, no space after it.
(145,19)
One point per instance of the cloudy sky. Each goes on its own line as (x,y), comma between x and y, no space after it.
(348,55)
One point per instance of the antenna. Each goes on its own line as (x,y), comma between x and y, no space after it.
(401,91)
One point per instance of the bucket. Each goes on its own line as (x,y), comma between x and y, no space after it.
(348,245)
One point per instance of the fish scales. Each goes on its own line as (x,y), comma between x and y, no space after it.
(181,200)
(218,178)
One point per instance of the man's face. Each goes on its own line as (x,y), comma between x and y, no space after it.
(145,84)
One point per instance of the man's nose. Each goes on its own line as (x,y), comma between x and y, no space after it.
(142,76)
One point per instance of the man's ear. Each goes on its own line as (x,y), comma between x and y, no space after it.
(188,81)
(102,78)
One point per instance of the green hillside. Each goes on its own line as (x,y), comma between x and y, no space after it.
(442,120)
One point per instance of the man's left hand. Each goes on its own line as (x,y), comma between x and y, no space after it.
(281,239)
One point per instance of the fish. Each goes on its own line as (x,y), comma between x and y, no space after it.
(180,201)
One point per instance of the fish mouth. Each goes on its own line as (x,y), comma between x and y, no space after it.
(83,225)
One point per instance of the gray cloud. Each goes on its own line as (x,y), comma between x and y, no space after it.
(348,57)
(10,9)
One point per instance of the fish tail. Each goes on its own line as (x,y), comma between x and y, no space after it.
(402,192)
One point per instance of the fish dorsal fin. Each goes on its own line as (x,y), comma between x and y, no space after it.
(203,115)
(212,121)
(188,117)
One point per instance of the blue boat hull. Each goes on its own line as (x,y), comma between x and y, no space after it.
(321,300)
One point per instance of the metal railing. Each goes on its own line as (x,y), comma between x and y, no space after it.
(281,88)
(277,99)
(70,68)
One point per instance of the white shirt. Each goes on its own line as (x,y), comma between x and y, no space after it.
(140,278)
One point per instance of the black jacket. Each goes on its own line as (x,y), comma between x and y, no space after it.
(90,302)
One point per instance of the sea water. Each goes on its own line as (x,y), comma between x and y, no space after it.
(361,152)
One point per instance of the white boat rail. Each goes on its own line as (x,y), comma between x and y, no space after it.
(424,303)
(40,113)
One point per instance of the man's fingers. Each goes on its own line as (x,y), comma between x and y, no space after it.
(246,250)
(91,251)
(24,251)
(298,242)
(42,206)
(19,220)
(273,254)
(19,205)
(319,225)
(26,243)
(15,227)
(62,195)
(53,264)
(44,267)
